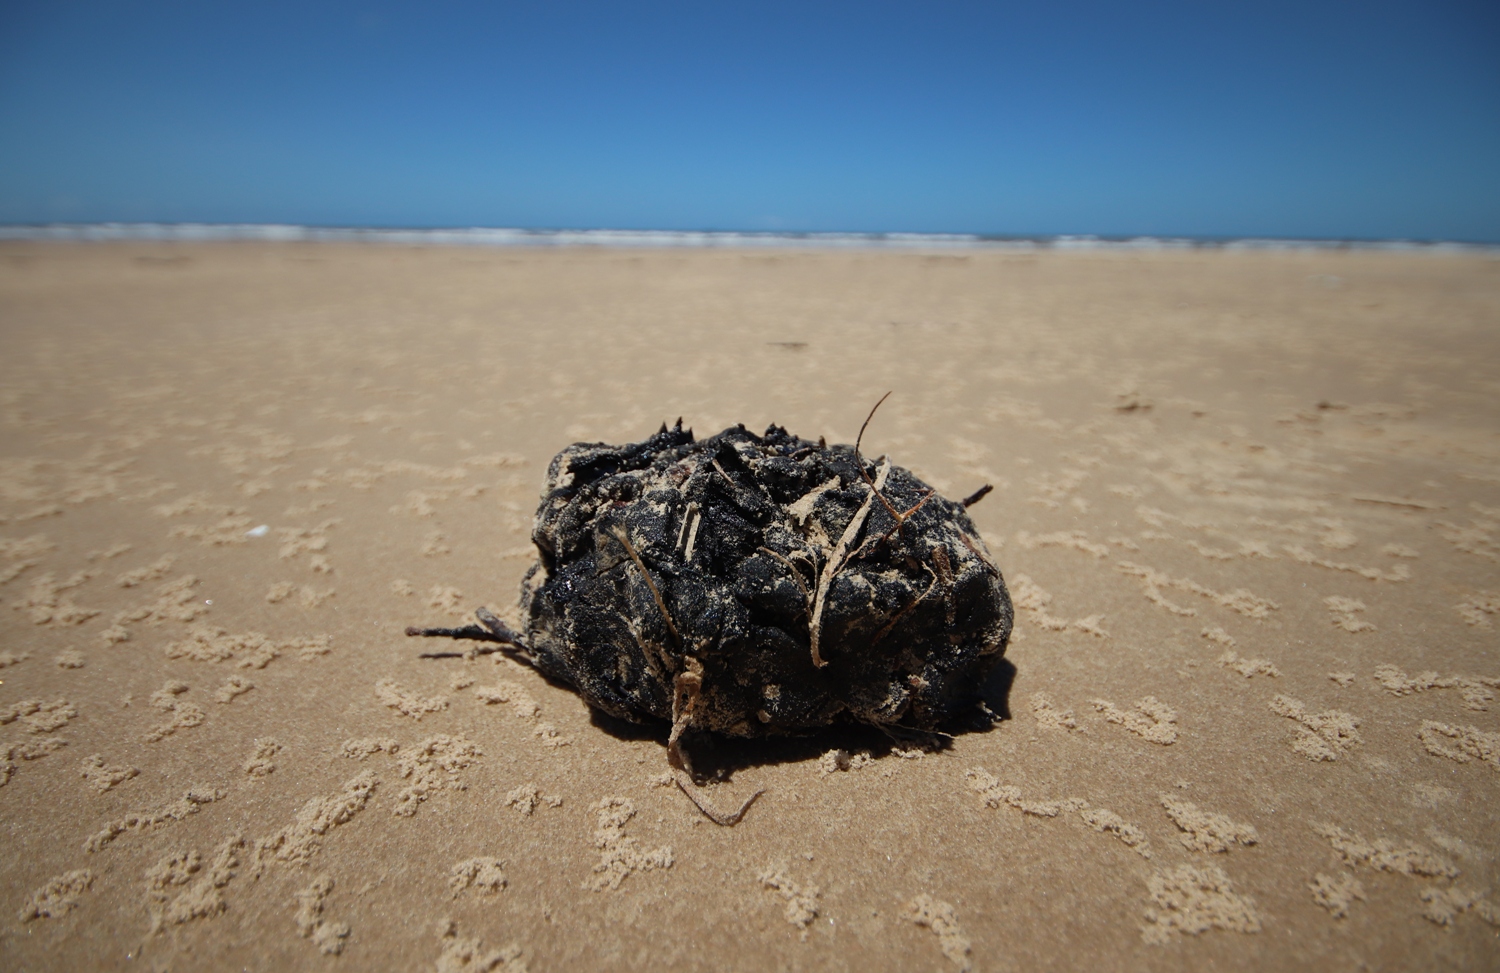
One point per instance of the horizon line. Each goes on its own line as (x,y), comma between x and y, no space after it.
(500,236)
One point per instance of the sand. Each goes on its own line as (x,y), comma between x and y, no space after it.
(1248,505)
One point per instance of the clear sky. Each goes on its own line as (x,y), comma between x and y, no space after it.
(1306,118)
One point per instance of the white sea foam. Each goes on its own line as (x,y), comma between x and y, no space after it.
(480,236)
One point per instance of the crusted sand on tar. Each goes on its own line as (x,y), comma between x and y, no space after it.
(1249,502)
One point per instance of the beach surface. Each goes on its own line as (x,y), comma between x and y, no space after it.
(1247,505)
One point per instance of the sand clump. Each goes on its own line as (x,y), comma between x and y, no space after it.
(311,902)
(941,918)
(25,751)
(1206,830)
(179,888)
(486,875)
(300,841)
(191,802)
(527,797)
(58,897)
(262,762)
(469,955)
(1151,720)
(801,898)
(1188,900)
(102,776)
(621,855)
(996,794)
(1477,691)
(408,703)
(1320,736)
(1337,893)
(1460,743)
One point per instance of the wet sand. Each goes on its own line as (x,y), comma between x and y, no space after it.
(1248,505)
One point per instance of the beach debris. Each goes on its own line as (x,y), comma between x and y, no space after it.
(753,586)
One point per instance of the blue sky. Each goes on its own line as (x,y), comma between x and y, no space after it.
(1301,119)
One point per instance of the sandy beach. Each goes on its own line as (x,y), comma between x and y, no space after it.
(1247,505)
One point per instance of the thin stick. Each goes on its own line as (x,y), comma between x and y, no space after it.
(836,561)
(696,795)
(859,462)
(979,554)
(977,495)
(624,539)
(693,534)
(682,530)
(860,438)
(796,575)
(945,575)
(903,612)
(900,523)
(685,689)
(474,632)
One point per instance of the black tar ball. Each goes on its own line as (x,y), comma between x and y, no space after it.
(792,584)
